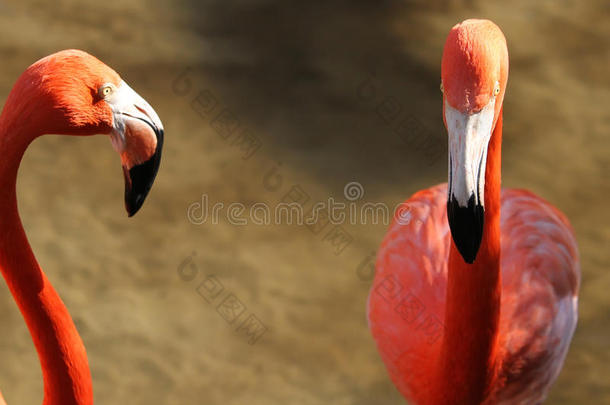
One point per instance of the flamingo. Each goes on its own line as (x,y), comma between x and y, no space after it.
(475,295)
(71,93)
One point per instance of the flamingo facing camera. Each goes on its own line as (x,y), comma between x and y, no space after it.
(475,297)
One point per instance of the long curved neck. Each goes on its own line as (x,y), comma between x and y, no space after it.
(472,311)
(67,380)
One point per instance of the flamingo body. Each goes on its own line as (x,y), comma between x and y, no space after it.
(475,294)
(540,277)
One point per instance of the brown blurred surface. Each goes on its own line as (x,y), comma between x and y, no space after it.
(290,72)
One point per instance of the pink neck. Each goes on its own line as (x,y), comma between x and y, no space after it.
(467,357)
(67,380)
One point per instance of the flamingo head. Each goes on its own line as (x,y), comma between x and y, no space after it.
(71,92)
(474,73)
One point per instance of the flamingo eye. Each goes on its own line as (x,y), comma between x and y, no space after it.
(106,90)
(497,89)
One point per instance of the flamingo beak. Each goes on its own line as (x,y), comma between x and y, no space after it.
(469,135)
(137,136)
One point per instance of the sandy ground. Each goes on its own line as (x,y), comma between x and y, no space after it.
(290,73)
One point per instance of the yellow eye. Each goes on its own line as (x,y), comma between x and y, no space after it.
(105,90)
(497,90)
(442,88)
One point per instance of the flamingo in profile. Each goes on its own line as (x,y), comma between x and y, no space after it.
(475,294)
(71,93)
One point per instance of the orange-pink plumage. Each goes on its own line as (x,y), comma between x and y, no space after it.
(474,299)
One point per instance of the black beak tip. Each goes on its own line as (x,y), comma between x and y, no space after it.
(468,255)
(133,203)
(141,179)
(466,224)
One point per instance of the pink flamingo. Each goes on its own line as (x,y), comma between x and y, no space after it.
(71,93)
(470,306)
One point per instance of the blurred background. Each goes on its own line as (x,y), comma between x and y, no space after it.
(307,86)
